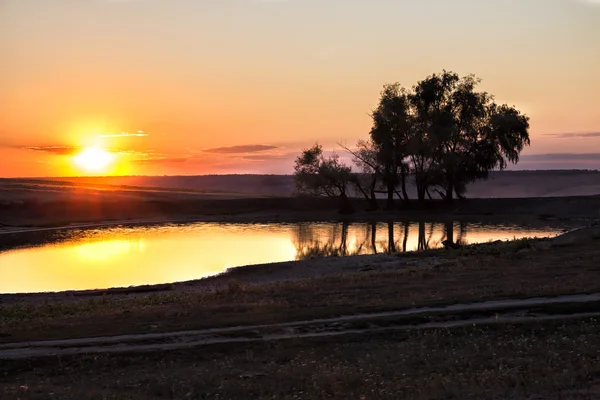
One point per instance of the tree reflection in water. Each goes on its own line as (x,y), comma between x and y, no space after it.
(345,239)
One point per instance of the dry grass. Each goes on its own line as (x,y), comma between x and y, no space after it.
(550,360)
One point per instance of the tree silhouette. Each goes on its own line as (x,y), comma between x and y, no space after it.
(443,132)
(317,175)
(390,135)
(464,132)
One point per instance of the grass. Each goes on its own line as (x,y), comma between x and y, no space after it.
(551,360)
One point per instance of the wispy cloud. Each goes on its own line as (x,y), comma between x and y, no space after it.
(159,160)
(63,150)
(573,135)
(125,134)
(267,157)
(561,157)
(240,149)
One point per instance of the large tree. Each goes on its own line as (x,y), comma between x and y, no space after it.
(390,135)
(461,134)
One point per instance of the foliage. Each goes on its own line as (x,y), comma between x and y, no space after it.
(445,133)
(464,132)
(391,134)
(317,175)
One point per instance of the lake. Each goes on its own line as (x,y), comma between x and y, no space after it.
(124,256)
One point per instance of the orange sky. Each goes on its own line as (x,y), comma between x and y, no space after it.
(237,86)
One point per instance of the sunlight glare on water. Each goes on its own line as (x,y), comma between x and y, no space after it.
(120,257)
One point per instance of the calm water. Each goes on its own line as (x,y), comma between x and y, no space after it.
(115,257)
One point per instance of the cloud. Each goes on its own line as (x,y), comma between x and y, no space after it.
(163,160)
(562,157)
(240,149)
(64,150)
(573,135)
(265,157)
(126,134)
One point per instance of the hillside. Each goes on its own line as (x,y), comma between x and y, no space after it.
(501,184)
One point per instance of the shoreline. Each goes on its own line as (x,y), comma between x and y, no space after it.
(276,273)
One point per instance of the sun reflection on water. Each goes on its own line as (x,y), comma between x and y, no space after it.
(109,248)
(117,257)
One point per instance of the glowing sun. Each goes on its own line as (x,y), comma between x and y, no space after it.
(93,159)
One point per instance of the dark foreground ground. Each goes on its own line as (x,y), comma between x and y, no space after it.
(532,361)
(535,359)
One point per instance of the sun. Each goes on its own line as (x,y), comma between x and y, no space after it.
(93,159)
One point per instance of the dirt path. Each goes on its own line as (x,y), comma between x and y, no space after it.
(489,312)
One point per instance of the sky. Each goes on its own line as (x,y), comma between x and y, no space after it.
(185,87)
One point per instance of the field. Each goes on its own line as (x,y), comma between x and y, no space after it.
(56,202)
(502,184)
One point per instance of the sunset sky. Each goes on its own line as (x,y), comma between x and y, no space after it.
(241,86)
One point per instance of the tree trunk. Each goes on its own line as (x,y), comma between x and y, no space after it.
(345,206)
(449,190)
(419,186)
(421,189)
(374,204)
(450,231)
(344,242)
(372,200)
(405,240)
(374,237)
(458,195)
(390,192)
(391,243)
(422,242)
(403,178)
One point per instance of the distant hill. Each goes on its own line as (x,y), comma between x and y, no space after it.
(501,184)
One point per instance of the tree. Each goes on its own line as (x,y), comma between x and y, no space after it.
(443,132)
(461,134)
(316,175)
(390,135)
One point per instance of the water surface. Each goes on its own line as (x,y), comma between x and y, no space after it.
(125,256)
